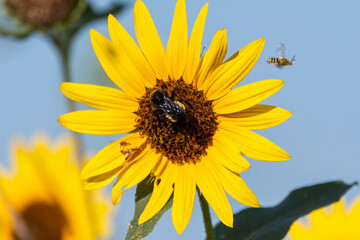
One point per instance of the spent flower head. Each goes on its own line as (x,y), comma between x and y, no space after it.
(59,20)
(40,13)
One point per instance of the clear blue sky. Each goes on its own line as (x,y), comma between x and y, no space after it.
(321,90)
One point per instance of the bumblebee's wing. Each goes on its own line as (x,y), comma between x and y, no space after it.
(281,51)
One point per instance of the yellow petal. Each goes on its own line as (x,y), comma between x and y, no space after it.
(194,49)
(161,193)
(254,145)
(184,197)
(355,209)
(116,192)
(246,96)
(225,152)
(117,65)
(297,231)
(160,167)
(110,157)
(7,230)
(176,50)
(128,48)
(101,180)
(353,215)
(131,178)
(235,186)
(101,122)
(133,174)
(212,58)
(319,215)
(338,210)
(229,74)
(99,97)
(104,161)
(256,117)
(27,176)
(210,186)
(149,40)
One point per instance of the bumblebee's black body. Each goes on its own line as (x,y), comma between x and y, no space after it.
(173,110)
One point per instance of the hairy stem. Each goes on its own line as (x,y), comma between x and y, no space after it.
(64,51)
(207,218)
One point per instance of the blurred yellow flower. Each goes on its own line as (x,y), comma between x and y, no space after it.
(339,221)
(191,126)
(43,197)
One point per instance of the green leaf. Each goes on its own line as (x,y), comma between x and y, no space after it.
(273,223)
(142,197)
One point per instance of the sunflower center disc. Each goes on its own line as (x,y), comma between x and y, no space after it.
(43,221)
(180,142)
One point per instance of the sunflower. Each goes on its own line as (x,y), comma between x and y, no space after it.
(43,197)
(339,221)
(187,127)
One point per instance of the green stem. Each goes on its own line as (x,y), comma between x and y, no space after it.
(64,51)
(207,218)
(65,66)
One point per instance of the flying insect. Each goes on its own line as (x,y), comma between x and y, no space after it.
(281,60)
(175,111)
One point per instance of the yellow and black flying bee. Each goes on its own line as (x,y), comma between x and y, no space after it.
(281,60)
(175,111)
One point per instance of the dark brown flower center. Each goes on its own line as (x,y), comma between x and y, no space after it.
(42,221)
(42,13)
(181,139)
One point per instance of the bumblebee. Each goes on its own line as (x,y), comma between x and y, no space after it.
(281,60)
(175,111)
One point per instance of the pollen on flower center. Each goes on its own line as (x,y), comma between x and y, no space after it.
(183,142)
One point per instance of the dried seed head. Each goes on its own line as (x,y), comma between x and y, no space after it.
(41,13)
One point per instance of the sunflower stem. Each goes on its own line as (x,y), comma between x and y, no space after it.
(63,50)
(207,218)
(63,47)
